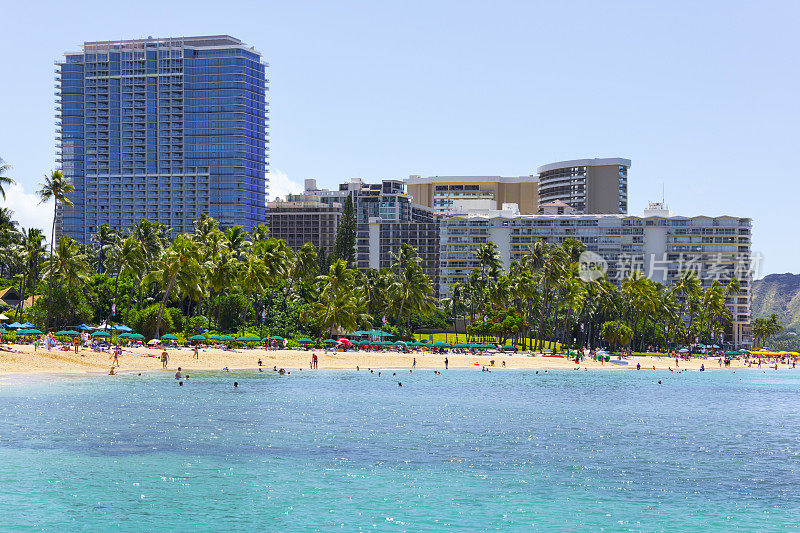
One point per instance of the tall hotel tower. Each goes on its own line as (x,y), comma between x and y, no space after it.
(164,129)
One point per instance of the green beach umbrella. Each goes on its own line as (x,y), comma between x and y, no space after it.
(169,337)
(441,344)
(305,340)
(507,348)
(227,338)
(197,338)
(214,337)
(329,341)
(136,336)
(100,334)
(123,335)
(71,332)
(277,338)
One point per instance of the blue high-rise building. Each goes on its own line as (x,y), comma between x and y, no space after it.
(163,129)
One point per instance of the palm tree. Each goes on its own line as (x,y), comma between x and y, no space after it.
(334,285)
(411,288)
(253,279)
(104,239)
(32,252)
(238,241)
(221,275)
(151,238)
(131,265)
(57,188)
(177,270)
(68,263)
(4,179)
(686,288)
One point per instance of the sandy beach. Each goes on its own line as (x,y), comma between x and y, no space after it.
(28,361)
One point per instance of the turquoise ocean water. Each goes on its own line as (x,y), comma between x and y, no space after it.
(349,451)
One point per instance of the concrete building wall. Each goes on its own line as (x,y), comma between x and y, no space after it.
(438,192)
(591,186)
(661,247)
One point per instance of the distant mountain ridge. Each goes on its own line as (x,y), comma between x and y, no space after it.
(779,294)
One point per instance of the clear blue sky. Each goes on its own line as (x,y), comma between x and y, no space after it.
(701,96)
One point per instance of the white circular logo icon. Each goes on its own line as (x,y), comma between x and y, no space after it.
(591,266)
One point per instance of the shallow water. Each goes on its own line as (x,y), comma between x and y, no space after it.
(466,450)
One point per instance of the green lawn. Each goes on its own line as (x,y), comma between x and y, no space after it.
(452,338)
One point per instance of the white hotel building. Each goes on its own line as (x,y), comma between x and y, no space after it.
(658,243)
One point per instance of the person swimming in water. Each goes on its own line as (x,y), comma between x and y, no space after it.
(178,374)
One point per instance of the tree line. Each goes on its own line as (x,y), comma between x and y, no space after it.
(228,279)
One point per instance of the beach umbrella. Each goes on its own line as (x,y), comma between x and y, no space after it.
(15,325)
(136,336)
(121,327)
(214,337)
(227,338)
(197,338)
(28,325)
(441,345)
(305,340)
(123,335)
(34,331)
(169,337)
(154,341)
(84,327)
(744,351)
(344,341)
(61,333)
(100,334)
(683,350)
(507,348)
(329,341)
(277,338)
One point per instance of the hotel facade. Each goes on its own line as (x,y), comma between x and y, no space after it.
(658,243)
(166,129)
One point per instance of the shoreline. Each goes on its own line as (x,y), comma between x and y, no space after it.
(90,363)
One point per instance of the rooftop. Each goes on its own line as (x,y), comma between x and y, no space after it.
(415,180)
(596,162)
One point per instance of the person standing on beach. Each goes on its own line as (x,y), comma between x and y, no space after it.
(446,363)
(116,356)
(77,342)
(196,352)
(414,363)
(314,361)
(164,359)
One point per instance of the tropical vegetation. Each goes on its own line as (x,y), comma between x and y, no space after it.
(232,280)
